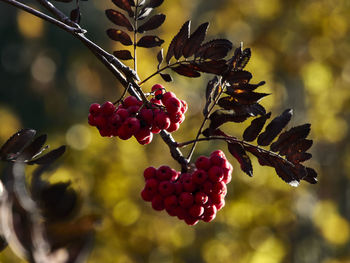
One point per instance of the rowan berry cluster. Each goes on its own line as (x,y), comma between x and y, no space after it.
(135,118)
(191,196)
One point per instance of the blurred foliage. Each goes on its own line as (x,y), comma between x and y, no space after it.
(300,48)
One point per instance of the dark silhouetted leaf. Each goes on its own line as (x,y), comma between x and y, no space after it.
(75,15)
(240,154)
(155,3)
(145,12)
(211,93)
(219,117)
(125,5)
(214,49)
(286,174)
(253,130)
(119,19)
(217,67)
(243,59)
(118,35)
(123,54)
(49,157)
(298,157)
(249,97)
(33,149)
(153,23)
(186,70)
(263,156)
(16,143)
(166,77)
(194,42)
(242,77)
(176,45)
(291,136)
(150,41)
(243,86)
(160,58)
(311,176)
(301,145)
(275,127)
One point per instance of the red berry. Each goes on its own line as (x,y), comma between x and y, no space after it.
(173,127)
(173,105)
(152,186)
(91,120)
(156,102)
(155,129)
(123,113)
(147,196)
(100,121)
(143,134)
(186,200)
(158,88)
(181,212)
(147,116)
(207,187)
(196,211)
(220,205)
(115,120)
(178,188)
(166,188)
(203,162)
(133,109)
(132,125)
(219,153)
(188,184)
(216,174)
(184,106)
(146,141)
(170,201)
(149,172)
(176,117)
(162,120)
(217,160)
(95,109)
(131,101)
(191,221)
(158,202)
(219,188)
(107,108)
(209,213)
(164,173)
(123,133)
(199,176)
(200,198)
(227,178)
(168,95)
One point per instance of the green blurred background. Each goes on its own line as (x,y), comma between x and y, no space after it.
(300,48)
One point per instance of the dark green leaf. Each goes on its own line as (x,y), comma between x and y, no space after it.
(119,19)
(237,151)
(253,130)
(153,23)
(275,127)
(194,42)
(150,41)
(123,54)
(118,35)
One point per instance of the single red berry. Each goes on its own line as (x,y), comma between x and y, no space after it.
(216,198)
(178,187)
(188,184)
(184,106)
(158,202)
(132,125)
(115,120)
(221,204)
(95,109)
(152,185)
(162,120)
(91,120)
(196,211)
(173,127)
(171,211)
(219,188)
(181,212)
(186,200)
(146,196)
(170,201)
(107,108)
(227,178)
(191,221)
(147,116)
(146,141)
(216,174)
(123,133)
(166,188)
(209,213)
(173,105)
(100,121)
(201,198)
(123,113)
(158,88)
(164,173)
(177,117)
(174,175)
(155,129)
(130,101)
(219,153)
(168,95)
(217,160)
(133,109)
(203,162)
(207,187)
(149,173)
(143,134)
(156,102)
(199,176)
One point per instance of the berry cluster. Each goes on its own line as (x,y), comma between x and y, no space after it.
(189,196)
(133,118)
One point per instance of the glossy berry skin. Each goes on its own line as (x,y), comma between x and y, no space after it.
(149,173)
(107,108)
(158,202)
(196,210)
(173,105)
(162,120)
(166,188)
(186,200)
(203,162)
(95,109)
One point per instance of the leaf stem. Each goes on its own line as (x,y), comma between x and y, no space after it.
(206,117)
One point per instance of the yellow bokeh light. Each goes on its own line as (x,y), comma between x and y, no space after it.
(126,212)
(29,26)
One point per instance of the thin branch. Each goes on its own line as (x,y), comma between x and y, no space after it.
(206,117)
(41,15)
(135,35)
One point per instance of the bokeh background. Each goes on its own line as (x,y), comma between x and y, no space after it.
(300,48)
